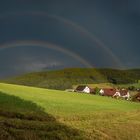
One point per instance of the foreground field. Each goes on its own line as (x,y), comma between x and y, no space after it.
(61,115)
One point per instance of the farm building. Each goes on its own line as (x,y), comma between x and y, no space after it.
(83,89)
(122,93)
(137,97)
(107,92)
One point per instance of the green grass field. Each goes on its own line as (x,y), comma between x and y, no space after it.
(65,115)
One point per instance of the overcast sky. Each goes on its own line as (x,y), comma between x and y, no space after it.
(38,35)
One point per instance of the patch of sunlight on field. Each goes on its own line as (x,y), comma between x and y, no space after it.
(66,103)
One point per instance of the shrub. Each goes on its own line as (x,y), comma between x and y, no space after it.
(132,88)
(97,91)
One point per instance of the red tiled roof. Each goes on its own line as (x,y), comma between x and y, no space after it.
(109,92)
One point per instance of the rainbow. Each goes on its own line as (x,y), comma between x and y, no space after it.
(73,25)
(51,46)
(48,45)
(45,44)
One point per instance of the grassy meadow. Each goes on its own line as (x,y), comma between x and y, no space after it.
(52,114)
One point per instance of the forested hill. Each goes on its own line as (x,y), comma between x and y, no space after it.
(62,79)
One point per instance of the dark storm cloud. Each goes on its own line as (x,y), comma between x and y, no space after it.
(27,59)
(84,27)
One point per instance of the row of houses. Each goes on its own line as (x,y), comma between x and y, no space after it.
(112,92)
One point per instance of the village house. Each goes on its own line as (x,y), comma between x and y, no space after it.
(107,92)
(83,89)
(123,93)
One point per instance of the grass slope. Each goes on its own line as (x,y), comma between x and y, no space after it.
(25,120)
(75,116)
(62,79)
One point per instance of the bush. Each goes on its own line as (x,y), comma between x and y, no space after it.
(132,88)
(97,91)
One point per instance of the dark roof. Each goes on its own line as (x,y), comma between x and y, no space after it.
(81,88)
(109,91)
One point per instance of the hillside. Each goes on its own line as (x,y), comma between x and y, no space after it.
(62,79)
(35,113)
